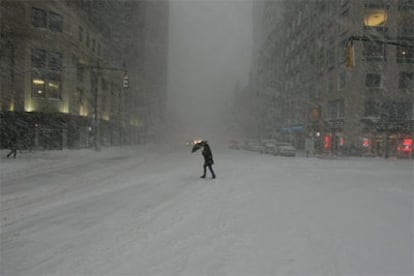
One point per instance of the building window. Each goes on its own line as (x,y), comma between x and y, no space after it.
(93,44)
(46,80)
(373,80)
(80,33)
(55,22)
(342,80)
(54,86)
(38,86)
(375,17)
(372,108)
(406,80)
(87,40)
(374,51)
(38,58)
(38,18)
(331,86)
(405,19)
(46,86)
(41,19)
(405,54)
(336,109)
(80,71)
(54,61)
(397,111)
(331,57)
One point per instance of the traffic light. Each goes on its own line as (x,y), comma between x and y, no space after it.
(125,81)
(350,55)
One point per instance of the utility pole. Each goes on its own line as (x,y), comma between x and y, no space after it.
(125,86)
(94,85)
(95,72)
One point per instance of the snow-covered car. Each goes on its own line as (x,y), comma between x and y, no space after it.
(286,150)
(269,147)
(253,145)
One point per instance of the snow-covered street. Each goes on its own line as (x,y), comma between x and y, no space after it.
(144,211)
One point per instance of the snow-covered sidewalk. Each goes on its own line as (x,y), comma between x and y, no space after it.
(144,211)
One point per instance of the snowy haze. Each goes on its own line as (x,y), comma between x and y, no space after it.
(209,53)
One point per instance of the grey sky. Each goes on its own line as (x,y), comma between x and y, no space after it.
(209,52)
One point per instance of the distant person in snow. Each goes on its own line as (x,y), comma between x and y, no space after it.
(12,147)
(208,160)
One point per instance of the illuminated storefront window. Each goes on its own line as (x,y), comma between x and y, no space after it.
(46,74)
(53,89)
(38,87)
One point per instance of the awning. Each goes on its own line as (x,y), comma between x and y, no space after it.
(295,128)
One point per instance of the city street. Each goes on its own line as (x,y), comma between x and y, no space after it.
(144,211)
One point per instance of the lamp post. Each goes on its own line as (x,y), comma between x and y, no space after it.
(125,86)
(95,72)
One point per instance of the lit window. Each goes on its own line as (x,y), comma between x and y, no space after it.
(53,87)
(375,18)
(38,87)
(46,81)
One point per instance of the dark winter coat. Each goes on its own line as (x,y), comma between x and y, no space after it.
(13,143)
(208,155)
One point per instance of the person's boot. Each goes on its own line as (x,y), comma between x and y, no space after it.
(203,176)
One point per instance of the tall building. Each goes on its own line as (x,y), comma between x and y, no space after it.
(73,71)
(347,75)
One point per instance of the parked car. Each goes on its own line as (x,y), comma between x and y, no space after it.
(285,149)
(252,145)
(269,147)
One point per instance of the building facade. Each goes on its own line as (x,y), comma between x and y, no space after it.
(72,72)
(344,75)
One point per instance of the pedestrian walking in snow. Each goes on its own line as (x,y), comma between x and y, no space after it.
(208,160)
(208,157)
(12,147)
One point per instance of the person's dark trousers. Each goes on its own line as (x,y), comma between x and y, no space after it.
(213,175)
(14,152)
